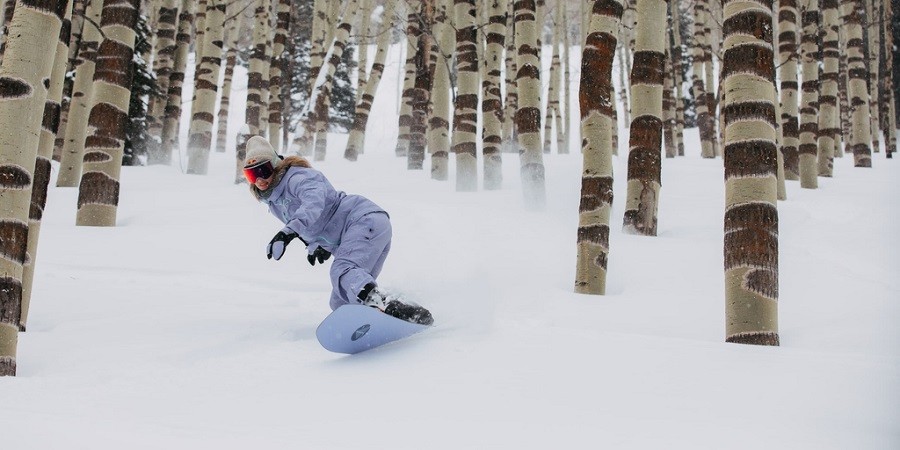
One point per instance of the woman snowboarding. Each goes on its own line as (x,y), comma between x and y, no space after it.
(352,228)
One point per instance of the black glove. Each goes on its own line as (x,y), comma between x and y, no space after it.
(320,254)
(278,244)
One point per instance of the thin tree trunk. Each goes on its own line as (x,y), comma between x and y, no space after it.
(809,111)
(163,65)
(828,117)
(98,193)
(49,127)
(596,97)
(567,79)
(257,76)
(676,63)
(891,133)
(552,109)
(362,42)
(28,62)
(465,116)
(82,99)
(668,109)
(421,89)
(409,79)
(176,83)
(528,115)
(510,137)
(200,135)
(861,131)
(276,72)
(492,98)
(645,140)
(707,133)
(75,60)
(356,141)
(233,33)
(873,43)
(787,73)
(439,124)
(751,214)
(9,11)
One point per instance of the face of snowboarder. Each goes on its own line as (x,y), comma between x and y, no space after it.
(260,174)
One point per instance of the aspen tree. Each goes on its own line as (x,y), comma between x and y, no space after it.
(176,82)
(356,141)
(861,131)
(465,116)
(421,89)
(787,73)
(751,214)
(163,64)
(439,124)
(873,52)
(704,124)
(596,98)
(676,65)
(257,75)
(82,96)
(528,114)
(645,140)
(233,33)
(9,10)
(668,109)
(567,77)
(200,134)
(828,117)
(409,79)
(808,150)
(75,60)
(49,127)
(362,42)
(27,63)
(510,135)
(98,192)
(712,14)
(276,73)
(492,99)
(891,133)
(552,112)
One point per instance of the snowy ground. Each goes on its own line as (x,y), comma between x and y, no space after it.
(172,330)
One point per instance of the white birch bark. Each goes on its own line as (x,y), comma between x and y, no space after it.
(206,90)
(809,97)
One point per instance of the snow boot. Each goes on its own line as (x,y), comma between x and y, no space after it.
(374,297)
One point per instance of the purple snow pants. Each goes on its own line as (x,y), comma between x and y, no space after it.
(359,257)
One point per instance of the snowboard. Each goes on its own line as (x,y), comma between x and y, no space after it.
(356,328)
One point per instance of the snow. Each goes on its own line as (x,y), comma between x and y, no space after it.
(172,330)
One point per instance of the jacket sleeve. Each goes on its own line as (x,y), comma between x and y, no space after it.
(311,192)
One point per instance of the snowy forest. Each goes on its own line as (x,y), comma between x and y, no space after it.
(124,124)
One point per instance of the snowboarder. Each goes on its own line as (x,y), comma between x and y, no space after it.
(329,222)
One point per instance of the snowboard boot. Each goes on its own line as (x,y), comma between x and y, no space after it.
(374,297)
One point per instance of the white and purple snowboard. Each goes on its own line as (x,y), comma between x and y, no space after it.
(357,328)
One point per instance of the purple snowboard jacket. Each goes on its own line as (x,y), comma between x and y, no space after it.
(307,203)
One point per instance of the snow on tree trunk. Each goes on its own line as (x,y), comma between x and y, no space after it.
(751,215)
(98,192)
(528,114)
(82,99)
(787,73)
(860,122)
(645,140)
(233,33)
(828,117)
(276,73)
(206,90)
(28,62)
(163,64)
(176,83)
(809,121)
(596,98)
(465,115)
(492,98)
(49,127)
(356,141)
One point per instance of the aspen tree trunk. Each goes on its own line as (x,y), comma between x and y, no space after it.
(709,72)
(82,99)
(200,135)
(891,134)
(704,125)
(492,99)
(199,35)
(9,10)
(28,62)
(668,109)
(597,105)
(828,117)
(323,101)
(465,116)
(843,83)
(567,77)
(528,114)
(233,33)
(276,73)
(439,124)
(98,193)
(257,82)
(421,89)
(49,127)
(306,139)
(552,111)
(75,59)
(162,66)
(409,79)
(176,82)
(615,126)
(645,141)
(872,26)
(809,111)
(751,214)
(676,63)
(510,135)
(861,131)
(356,141)
(627,30)
(362,41)
(787,73)
(781,191)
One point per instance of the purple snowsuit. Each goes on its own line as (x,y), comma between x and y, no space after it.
(354,229)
